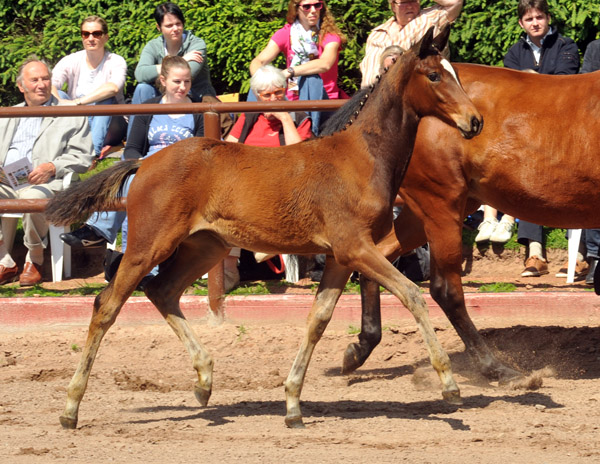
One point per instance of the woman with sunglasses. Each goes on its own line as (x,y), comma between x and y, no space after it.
(408,25)
(311,44)
(150,134)
(94,76)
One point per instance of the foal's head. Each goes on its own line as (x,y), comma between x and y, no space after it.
(433,88)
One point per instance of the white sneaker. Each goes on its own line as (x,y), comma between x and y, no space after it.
(486,229)
(502,233)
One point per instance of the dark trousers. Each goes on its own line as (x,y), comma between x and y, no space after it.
(529,231)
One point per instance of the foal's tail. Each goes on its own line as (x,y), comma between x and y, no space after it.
(98,193)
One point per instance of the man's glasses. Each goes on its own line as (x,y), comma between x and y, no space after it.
(96,34)
(277,92)
(307,6)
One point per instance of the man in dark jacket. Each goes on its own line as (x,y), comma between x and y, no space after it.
(541,49)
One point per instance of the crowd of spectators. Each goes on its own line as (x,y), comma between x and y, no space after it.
(173,68)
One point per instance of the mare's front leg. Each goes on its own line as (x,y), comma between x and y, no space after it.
(407,235)
(332,284)
(106,308)
(195,256)
(447,291)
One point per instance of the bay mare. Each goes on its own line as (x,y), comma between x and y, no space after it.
(538,159)
(334,195)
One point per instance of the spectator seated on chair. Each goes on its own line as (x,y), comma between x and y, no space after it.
(175,41)
(150,133)
(53,147)
(405,28)
(94,76)
(310,42)
(541,49)
(268,129)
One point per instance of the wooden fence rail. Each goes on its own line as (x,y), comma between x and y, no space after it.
(212,128)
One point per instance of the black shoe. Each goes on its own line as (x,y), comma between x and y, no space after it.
(84,237)
(589,279)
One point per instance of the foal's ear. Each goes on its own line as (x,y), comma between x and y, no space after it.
(441,40)
(433,45)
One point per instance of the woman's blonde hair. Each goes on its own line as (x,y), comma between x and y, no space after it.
(169,62)
(328,25)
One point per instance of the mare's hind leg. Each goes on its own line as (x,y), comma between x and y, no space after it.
(370,327)
(368,260)
(195,256)
(332,284)
(106,308)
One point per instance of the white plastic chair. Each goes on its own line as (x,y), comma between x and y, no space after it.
(60,252)
(573,236)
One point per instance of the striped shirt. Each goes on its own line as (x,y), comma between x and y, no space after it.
(391,33)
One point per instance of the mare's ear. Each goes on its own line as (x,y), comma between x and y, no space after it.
(441,40)
(425,44)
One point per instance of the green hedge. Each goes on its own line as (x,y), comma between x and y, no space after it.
(235,31)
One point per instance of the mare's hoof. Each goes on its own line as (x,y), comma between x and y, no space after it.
(294,422)
(452,397)
(351,359)
(202,395)
(68,423)
(506,376)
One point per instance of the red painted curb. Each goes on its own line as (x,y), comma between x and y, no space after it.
(20,312)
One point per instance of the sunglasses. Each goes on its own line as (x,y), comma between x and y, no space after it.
(96,34)
(278,93)
(307,6)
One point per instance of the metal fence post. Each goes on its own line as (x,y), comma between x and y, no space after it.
(216,283)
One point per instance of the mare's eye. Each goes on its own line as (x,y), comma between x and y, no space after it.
(434,77)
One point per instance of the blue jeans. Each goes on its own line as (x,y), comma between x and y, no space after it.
(141,93)
(107,224)
(98,124)
(592,242)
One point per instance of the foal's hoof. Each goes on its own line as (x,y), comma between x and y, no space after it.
(202,395)
(68,423)
(351,359)
(452,397)
(294,422)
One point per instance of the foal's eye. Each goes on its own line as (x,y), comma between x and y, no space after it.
(434,77)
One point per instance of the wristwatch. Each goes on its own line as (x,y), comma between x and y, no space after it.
(291,71)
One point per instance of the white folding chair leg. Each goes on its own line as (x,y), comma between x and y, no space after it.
(574,237)
(60,254)
(292,268)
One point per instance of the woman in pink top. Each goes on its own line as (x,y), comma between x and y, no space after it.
(311,43)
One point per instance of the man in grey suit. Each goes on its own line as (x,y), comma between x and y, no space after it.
(55,147)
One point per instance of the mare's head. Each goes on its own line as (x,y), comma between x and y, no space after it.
(433,88)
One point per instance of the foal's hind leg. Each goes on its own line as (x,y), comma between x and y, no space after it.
(195,256)
(106,308)
(332,284)
(368,260)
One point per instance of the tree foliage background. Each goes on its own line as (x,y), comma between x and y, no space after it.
(236,30)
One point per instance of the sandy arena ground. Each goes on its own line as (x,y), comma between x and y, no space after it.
(139,405)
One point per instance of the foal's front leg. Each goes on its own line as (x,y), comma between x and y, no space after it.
(368,260)
(106,308)
(332,284)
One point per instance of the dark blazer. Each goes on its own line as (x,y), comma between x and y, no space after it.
(559,55)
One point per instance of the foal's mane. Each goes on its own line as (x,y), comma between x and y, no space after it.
(346,114)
